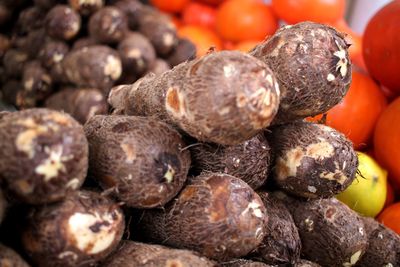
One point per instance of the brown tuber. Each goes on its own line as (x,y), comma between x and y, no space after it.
(62,22)
(10,258)
(244,263)
(158,67)
(31,18)
(139,159)
(81,104)
(52,53)
(218,215)
(81,230)
(311,63)
(86,7)
(306,263)
(249,161)
(184,51)
(132,9)
(43,155)
(10,91)
(224,97)
(282,244)
(14,61)
(312,160)
(134,254)
(4,44)
(108,25)
(331,233)
(95,66)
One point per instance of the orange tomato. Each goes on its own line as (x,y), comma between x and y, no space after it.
(199,14)
(387,140)
(391,217)
(246,46)
(323,11)
(203,38)
(357,114)
(171,6)
(242,20)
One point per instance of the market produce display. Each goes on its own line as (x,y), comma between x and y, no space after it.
(131,136)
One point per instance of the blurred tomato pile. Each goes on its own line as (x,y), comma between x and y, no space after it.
(370,112)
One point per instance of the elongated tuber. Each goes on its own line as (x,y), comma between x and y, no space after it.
(225,97)
(140,158)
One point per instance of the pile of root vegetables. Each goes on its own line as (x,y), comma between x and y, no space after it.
(207,164)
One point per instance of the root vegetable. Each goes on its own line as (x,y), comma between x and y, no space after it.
(331,233)
(10,90)
(158,67)
(137,53)
(133,254)
(33,42)
(45,4)
(306,263)
(10,258)
(108,25)
(31,18)
(52,53)
(86,7)
(249,161)
(79,231)
(14,61)
(43,155)
(81,104)
(312,66)
(4,44)
(62,22)
(282,245)
(141,159)
(383,246)
(132,9)
(244,263)
(84,42)
(184,51)
(312,160)
(225,97)
(95,66)
(5,14)
(218,215)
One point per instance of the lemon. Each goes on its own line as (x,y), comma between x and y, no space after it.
(367,194)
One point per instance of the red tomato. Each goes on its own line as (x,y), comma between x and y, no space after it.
(199,14)
(381,46)
(294,11)
(212,2)
(171,6)
(390,217)
(203,38)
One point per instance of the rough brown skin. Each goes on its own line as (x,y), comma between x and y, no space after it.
(79,231)
(306,263)
(62,22)
(52,53)
(43,155)
(140,159)
(244,263)
(10,90)
(95,66)
(86,7)
(37,85)
(224,97)
(282,245)
(218,215)
(133,254)
(312,160)
(108,25)
(158,67)
(83,42)
(33,42)
(132,9)
(4,44)
(81,104)
(331,233)
(30,19)
(14,61)
(137,53)
(383,248)
(10,258)
(185,50)
(312,66)
(159,29)
(249,161)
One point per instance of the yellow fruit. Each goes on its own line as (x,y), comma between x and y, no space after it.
(367,193)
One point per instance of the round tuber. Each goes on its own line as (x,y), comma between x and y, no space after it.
(62,22)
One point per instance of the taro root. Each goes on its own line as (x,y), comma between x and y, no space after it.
(95,66)
(4,45)
(244,263)
(139,159)
(224,97)
(29,19)
(249,161)
(86,7)
(10,90)
(218,215)
(282,244)
(159,29)
(81,104)
(52,53)
(331,233)
(81,230)
(14,61)
(311,63)
(37,85)
(306,263)
(83,42)
(45,4)
(33,42)
(312,160)
(43,155)
(184,51)
(158,67)
(383,246)
(132,9)
(108,25)
(10,258)
(137,53)
(133,254)
(62,22)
